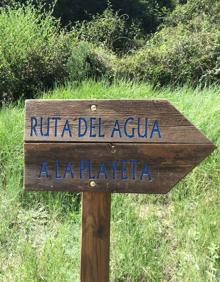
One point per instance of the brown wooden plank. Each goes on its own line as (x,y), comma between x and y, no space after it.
(168,163)
(174,127)
(95,238)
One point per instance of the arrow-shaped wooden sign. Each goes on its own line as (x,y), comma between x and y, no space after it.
(126,146)
(102,146)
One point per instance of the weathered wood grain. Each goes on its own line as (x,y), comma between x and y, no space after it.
(168,164)
(174,127)
(95,238)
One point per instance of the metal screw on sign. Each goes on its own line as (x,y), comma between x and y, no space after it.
(93,108)
(113,149)
(92,183)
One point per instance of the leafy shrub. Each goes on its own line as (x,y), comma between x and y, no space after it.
(102,63)
(179,53)
(77,64)
(33,52)
(109,30)
(89,61)
(200,9)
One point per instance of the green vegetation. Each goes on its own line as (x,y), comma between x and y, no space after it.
(36,53)
(32,52)
(111,49)
(175,237)
(89,61)
(110,30)
(184,50)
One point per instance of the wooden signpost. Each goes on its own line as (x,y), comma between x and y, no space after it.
(102,146)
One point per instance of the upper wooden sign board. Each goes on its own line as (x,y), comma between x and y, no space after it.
(135,146)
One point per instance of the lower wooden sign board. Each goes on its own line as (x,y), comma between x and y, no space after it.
(124,168)
(103,146)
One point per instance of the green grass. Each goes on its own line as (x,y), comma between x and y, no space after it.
(174,237)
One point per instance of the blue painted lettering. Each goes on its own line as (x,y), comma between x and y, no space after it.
(68,169)
(101,134)
(92,127)
(133,168)
(131,135)
(67,128)
(123,170)
(57,170)
(82,121)
(33,126)
(43,169)
(146,171)
(114,166)
(90,170)
(102,170)
(116,129)
(82,167)
(144,134)
(155,129)
(55,124)
(42,123)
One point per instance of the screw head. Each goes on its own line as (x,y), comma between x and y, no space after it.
(92,183)
(113,149)
(93,108)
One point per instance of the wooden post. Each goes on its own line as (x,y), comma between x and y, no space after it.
(95,240)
